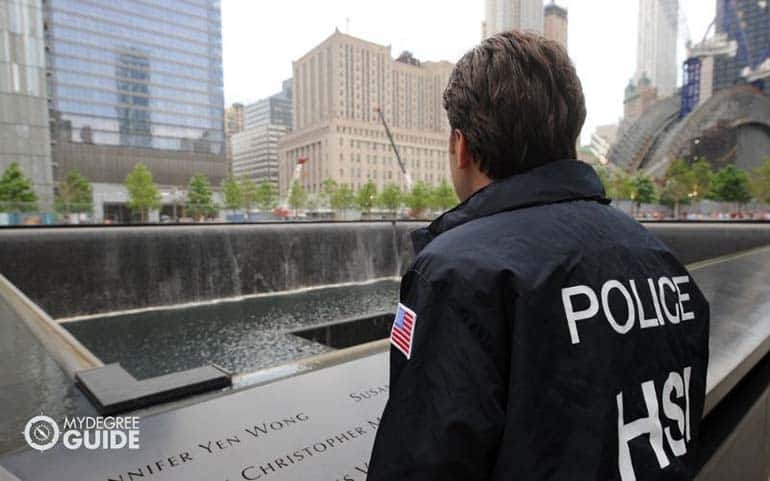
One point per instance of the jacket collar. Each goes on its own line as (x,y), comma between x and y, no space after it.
(559,181)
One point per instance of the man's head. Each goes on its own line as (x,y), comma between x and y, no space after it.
(514,103)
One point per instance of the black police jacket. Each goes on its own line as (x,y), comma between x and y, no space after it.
(552,338)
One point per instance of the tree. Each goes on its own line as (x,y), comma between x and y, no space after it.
(703,177)
(75,195)
(266,196)
(418,199)
(342,198)
(731,184)
(313,203)
(679,185)
(233,194)
(366,196)
(443,197)
(249,192)
(297,197)
(143,194)
(390,198)
(621,185)
(643,190)
(328,189)
(200,200)
(760,182)
(16,194)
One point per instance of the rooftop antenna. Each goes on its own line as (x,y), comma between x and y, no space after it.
(347,25)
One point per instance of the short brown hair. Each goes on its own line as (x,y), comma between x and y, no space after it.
(518,101)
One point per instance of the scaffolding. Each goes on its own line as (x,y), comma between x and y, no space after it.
(691,86)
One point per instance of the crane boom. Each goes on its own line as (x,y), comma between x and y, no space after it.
(407,177)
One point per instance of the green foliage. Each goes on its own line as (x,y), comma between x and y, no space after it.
(249,192)
(620,185)
(760,182)
(75,194)
(366,196)
(200,201)
(702,177)
(342,198)
(328,189)
(232,192)
(418,199)
(143,194)
(679,185)
(313,203)
(266,196)
(443,197)
(390,197)
(731,184)
(297,197)
(643,190)
(16,194)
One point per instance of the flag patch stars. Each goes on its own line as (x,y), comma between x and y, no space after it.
(402,333)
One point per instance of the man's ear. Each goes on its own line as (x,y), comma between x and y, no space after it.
(461,150)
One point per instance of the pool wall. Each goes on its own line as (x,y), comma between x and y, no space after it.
(83,271)
(77,271)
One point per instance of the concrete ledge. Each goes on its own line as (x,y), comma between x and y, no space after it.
(112,390)
(735,436)
(6,476)
(699,241)
(68,352)
(737,289)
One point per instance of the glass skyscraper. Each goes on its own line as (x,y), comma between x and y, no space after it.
(136,80)
(276,109)
(24,134)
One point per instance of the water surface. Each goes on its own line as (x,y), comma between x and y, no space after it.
(31,382)
(241,336)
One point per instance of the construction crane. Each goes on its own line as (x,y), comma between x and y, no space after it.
(297,172)
(407,177)
(284,209)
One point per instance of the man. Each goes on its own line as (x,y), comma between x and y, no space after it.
(541,334)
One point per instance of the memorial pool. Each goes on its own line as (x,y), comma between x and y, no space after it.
(241,336)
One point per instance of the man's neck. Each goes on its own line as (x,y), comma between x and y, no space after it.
(478,182)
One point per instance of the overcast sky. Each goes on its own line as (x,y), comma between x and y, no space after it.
(262,37)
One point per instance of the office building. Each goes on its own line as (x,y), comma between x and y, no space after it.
(131,82)
(602,140)
(233,125)
(637,99)
(275,109)
(255,149)
(24,131)
(657,44)
(555,23)
(504,15)
(338,86)
(255,152)
(234,119)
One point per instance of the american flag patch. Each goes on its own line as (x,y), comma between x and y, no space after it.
(403,329)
